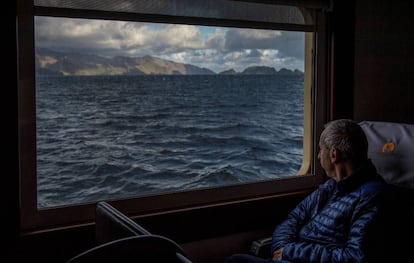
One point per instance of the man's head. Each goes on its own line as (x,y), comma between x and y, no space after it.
(342,144)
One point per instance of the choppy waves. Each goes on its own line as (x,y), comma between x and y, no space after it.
(115,137)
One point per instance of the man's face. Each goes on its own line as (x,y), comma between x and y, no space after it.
(324,157)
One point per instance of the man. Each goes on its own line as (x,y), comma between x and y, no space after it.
(331,224)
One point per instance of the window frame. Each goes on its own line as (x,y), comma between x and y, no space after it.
(311,175)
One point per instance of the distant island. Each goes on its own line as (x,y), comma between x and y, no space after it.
(55,63)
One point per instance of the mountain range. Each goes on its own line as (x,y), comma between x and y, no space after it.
(50,62)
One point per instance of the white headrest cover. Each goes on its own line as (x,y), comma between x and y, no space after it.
(391,149)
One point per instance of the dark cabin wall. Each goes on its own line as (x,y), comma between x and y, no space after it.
(384,61)
(341,28)
(9,193)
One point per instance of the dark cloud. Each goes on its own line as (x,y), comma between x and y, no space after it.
(214,48)
(254,54)
(289,44)
(292,44)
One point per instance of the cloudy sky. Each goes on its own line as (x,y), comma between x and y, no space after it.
(216,48)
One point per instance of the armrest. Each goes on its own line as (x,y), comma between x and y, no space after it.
(261,247)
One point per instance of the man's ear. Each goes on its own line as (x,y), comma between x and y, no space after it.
(334,154)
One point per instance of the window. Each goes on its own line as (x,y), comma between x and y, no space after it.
(162,105)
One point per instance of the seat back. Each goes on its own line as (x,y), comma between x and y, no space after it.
(120,239)
(391,149)
(144,248)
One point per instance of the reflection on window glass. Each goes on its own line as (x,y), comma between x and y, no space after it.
(129,109)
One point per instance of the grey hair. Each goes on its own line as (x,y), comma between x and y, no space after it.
(347,137)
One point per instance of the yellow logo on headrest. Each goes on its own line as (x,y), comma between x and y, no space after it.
(388,147)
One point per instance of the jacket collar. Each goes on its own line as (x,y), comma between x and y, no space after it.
(366,172)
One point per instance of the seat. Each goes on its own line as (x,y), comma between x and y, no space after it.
(391,149)
(145,248)
(120,239)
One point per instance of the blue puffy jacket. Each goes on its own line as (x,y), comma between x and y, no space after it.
(330,225)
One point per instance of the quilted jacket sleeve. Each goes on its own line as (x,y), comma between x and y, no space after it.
(352,251)
(287,231)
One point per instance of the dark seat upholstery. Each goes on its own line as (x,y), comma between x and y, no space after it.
(391,149)
(120,239)
(145,248)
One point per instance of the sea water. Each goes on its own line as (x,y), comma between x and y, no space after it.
(104,137)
